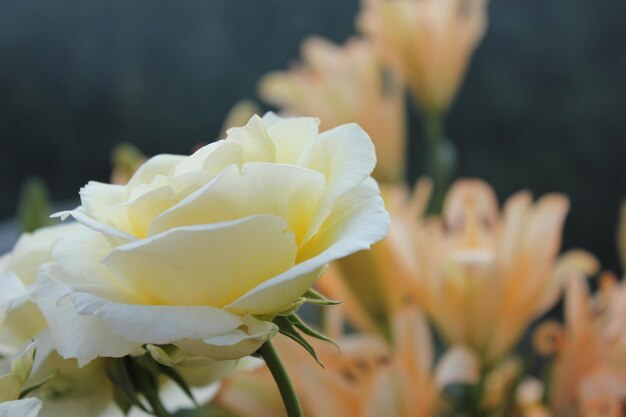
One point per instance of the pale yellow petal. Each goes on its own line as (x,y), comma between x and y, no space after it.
(294,139)
(235,257)
(286,191)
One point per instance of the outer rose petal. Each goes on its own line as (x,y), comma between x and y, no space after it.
(236,344)
(358,219)
(101,201)
(114,236)
(80,254)
(157,324)
(11,289)
(74,335)
(28,407)
(207,264)
(347,157)
(35,249)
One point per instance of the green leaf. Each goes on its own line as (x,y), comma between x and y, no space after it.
(304,328)
(286,327)
(33,209)
(314,297)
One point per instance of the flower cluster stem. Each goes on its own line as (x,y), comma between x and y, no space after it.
(287,391)
(441,159)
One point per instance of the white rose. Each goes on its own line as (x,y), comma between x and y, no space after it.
(74,390)
(20,319)
(200,251)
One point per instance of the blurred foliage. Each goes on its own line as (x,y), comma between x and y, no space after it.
(542,106)
(33,208)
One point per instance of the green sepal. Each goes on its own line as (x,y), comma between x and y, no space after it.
(210,411)
(173,374)
(315,297)
(286,327)
(304,328)
(121,400)
(118,373)
(146,380)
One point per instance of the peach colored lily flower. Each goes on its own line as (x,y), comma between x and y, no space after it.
(339,389)
(589,373)
(411,386)
(365,379)
(344,84)
(483,275)
(429,42)
(374,284)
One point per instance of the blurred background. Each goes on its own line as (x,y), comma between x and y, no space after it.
(543,106)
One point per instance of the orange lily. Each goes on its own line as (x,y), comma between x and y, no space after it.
(429,42)
(344,84)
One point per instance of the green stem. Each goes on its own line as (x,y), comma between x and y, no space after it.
(440,159)
(287,391)
(434,129)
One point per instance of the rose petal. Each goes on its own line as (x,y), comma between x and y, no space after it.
(80,254)
(101,202)
(157,165)
(212,158)
(11,289)
(74,335)
(294,139)
(347,157)
(255,141)
(260,188)
(202,330)
(210,264)
(358,220)
(114,236)
(235,344)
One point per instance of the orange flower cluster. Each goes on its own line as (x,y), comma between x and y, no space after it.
(479,274)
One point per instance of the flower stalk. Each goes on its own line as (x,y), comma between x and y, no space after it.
(441,158)
(287,391)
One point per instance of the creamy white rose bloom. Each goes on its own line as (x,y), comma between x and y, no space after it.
(20,319)
(74,391)
(21,322)
(200,251)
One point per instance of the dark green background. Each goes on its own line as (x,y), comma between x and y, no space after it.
(543,106)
